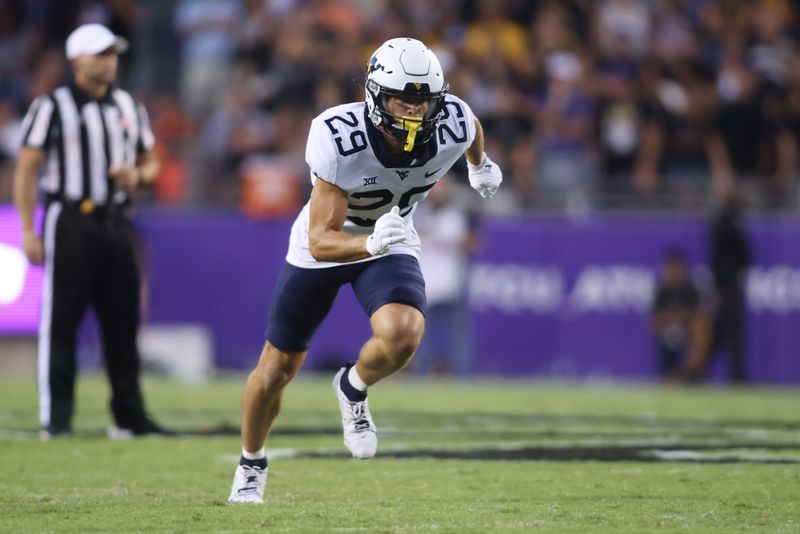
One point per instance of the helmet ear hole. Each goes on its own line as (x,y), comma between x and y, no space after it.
(373,87)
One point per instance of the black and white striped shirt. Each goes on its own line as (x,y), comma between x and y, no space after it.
(83,138)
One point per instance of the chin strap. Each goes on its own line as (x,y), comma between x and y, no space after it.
(411,125)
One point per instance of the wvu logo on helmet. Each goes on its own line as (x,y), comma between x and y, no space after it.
(416,87)
(373,65)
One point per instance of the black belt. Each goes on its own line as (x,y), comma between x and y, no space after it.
(87,206)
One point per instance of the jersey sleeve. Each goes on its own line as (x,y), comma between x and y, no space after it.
(36,124)
(321,155)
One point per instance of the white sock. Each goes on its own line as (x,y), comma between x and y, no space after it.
(254,455)
(356,380)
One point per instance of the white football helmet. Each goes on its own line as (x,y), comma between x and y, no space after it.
(405,68)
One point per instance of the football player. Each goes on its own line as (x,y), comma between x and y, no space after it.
(369,166)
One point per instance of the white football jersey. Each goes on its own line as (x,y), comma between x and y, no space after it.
(341,151)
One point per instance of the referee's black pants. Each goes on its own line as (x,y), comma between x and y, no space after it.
(90,260)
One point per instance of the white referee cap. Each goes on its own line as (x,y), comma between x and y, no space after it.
(91,39)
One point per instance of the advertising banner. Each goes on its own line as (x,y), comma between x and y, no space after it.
(547,297)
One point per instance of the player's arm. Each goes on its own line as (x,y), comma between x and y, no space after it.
(475,151)
(28,164)
(327,214)
(484,174)
(327,242)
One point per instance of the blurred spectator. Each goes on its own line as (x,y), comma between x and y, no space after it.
(622,25)
(614,104)
(16,45)
(208,31)
(619,119)
(565,160)
(793,115)
(448,237)
(553,29)
(493,36)
(10,131)
(10,138)
(678,103)
(237,129)
(170,127)
(680,325)
(753,146)
(49,72)
(730,258)
(260,22)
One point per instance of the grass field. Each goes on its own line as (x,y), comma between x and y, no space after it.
(453,457)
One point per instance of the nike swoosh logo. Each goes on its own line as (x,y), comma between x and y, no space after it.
(429,174)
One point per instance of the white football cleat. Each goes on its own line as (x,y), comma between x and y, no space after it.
(248,485)
(360,434)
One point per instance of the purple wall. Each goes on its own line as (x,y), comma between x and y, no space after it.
(20,281)
(548,297)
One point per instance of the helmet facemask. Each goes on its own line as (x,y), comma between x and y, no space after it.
(410,130)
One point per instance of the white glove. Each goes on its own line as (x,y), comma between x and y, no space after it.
(390,229)
(485,177)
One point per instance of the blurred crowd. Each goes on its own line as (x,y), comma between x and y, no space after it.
(587,105)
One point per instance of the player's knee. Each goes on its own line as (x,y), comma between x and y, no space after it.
(277,368)
(276,377)
(402,341)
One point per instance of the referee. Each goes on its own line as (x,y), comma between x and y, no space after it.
(90,146)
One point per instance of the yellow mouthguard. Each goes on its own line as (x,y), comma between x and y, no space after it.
(411,124)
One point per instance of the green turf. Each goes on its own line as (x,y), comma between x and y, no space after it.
(88,483)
